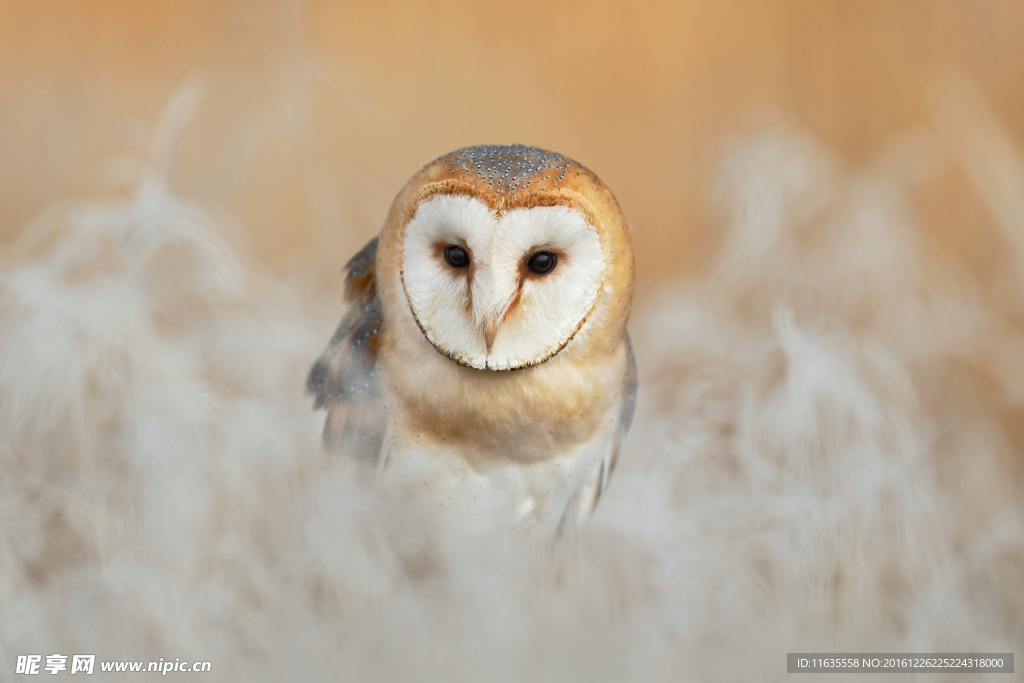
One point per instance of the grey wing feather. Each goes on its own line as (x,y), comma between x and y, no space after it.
(629,392)
(629,388)
(345,379)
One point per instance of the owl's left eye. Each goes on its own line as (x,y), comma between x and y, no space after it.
(457,257)
(542,263)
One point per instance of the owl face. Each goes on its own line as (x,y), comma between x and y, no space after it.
(499,291)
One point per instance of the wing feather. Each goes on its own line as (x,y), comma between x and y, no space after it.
(345,380)
(586,500)
(630,384)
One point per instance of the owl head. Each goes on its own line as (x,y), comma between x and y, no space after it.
(502,255)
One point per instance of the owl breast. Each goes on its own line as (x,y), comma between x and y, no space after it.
(544,493)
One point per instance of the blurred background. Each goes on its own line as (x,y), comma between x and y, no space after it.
(827,206)
(317,112)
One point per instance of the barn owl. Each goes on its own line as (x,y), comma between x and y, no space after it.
(485,355)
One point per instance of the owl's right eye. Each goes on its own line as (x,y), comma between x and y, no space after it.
(457,257)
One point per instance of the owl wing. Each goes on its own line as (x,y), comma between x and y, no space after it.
(345,379)
(582,504)
(629,390)
(628,403)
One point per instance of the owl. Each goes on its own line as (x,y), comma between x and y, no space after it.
(484,356)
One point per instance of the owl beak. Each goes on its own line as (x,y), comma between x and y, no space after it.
(491,331)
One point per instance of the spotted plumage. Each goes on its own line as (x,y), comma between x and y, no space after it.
(485,351)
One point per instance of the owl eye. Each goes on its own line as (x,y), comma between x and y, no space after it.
(542,263)
(457,257)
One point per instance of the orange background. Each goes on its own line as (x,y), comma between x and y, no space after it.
(317,112)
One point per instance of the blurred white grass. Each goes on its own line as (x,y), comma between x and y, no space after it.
(827,455)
